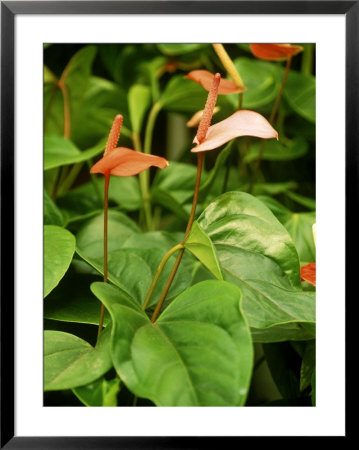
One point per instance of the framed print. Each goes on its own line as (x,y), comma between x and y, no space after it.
(175,179)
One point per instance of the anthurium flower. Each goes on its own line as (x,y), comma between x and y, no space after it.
(308,273)
(124,162)
(274,52)
(205,79)
(241,123)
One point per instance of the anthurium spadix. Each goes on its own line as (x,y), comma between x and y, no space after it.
(121,162)
(275,52)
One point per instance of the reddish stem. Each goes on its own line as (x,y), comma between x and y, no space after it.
(105,234)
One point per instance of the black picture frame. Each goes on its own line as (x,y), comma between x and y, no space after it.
(9,10)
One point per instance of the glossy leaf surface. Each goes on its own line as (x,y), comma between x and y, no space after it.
(198,353)
(59,247)
(257,254)
(70,361)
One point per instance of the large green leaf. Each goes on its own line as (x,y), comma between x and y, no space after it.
(70,361)
(262,80)
(101,392)
(202,248)
(59,247)
(198,353)
(183,95)
(139,100)
(89,239)
(133,270)
(256,253)
(300,94)
(173,187)
(87,200)
(299,226)
(59,151)
(73,301)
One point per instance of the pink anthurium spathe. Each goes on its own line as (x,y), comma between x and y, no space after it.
(241,123)
(205,79)
(274,52)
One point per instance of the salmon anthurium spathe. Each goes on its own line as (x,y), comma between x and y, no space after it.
(205,79)
(274,52)
(124,162)
(241,123)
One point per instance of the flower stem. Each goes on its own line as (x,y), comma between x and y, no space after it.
(144,185)
(187,232)
(170,252)
(105,233)
(65,96)
(271,121)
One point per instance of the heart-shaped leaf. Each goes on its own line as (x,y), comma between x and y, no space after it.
(200,245)
(256,253)
(198,353)
(59,151)
(89,239)
(59,247)
(70,361)
(133,270)
(183,95)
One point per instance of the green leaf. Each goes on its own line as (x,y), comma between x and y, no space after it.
(59,151)
(183,95)
(300,94)
(277,150)
(180,49)
(102,101)
(49,77)
(173,187)
(133,270)
(256,253)
(139,100)
(202,248)
(274,188)
(70,361)
(299,226)
(308,365)
(76,76)
(101,392)
(89,239)
(313,389)
(73,301)
(59,247)
(198,353)
(52,214)
(304,201)
(87,200)
(262,80)
(214,173)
